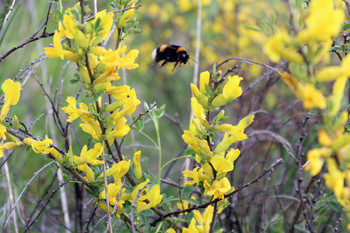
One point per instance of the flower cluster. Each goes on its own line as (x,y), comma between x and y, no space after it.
(305,50)
(214,161)
(309,46)
(79,40)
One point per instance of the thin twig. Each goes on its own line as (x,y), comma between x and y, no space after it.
(7,16)
(177,212)
(25,187)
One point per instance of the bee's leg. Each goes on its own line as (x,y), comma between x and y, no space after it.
(164,63)
(175,65)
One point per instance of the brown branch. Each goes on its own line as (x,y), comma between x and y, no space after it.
(177,212)
(45,35)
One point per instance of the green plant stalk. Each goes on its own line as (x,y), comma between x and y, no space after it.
(159,146)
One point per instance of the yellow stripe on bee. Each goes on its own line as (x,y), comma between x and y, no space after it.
(163,47)
(180,49)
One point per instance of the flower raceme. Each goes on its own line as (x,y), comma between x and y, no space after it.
(214,162)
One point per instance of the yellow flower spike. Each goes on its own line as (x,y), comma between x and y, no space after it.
(221,165)
(232,90)
(2,132)
(12,91)
(315,158)
(137,165)
(126,16)
(118,170)
(203,81)
(9,146)
(84,73)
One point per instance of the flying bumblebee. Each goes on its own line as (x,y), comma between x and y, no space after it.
(170,53)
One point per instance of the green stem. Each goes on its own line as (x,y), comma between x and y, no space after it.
(159,151)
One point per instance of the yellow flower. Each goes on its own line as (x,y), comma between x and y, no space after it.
(323,22)
(113,193)
(126,16)
(42,147)
(218,188)
(311,97)
(196,174)
(2,132)
(137,165)
(90,176)
(112,58)
(315,158)
(75,112)
(200,94)
(118,170)
(198,110)
(204,81)
(121,129)
(12,91)
(89,156)
(147,198)
(69,23)
(9,146)
(232,155)
(334,179)
(280,46)
(106,22)
(93,128)
(231,90)
(200,146)
(221,165)
(203,222)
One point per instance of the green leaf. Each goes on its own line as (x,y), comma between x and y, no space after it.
(139,124)
(191,201)
(346,26)
(188,189)
(7,5)
(189,151)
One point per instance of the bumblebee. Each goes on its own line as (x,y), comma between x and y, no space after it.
(170,53)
